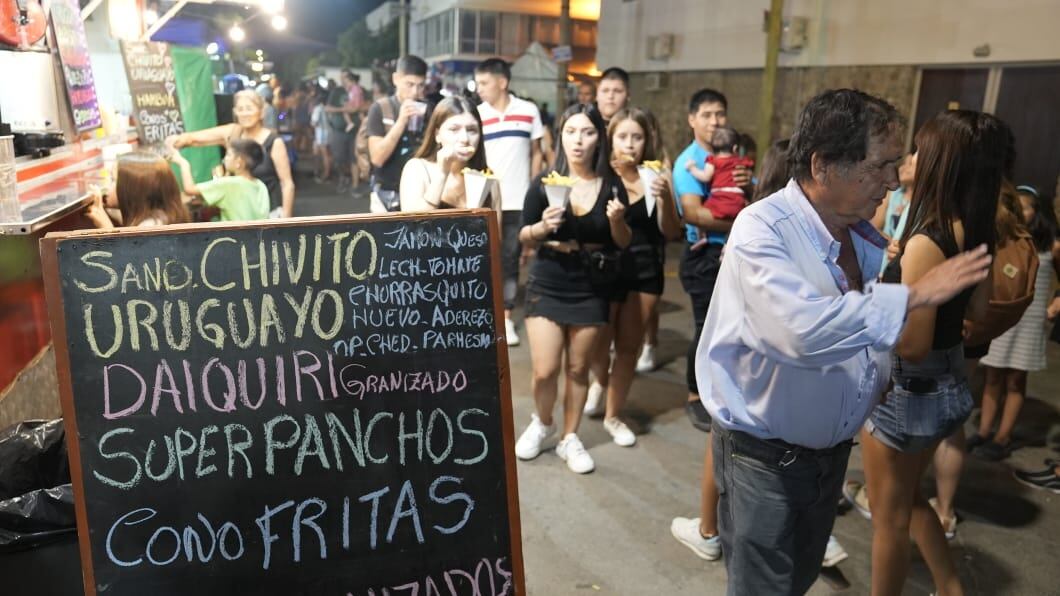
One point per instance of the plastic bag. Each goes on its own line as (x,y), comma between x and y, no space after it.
(36,500)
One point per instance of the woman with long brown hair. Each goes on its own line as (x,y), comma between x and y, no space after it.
(145,192)
(452,141)
(632,140)
(960,160)
(274,170)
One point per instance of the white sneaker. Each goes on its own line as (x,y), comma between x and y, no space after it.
(834,553)
(686,531)
(621,433)
(510,335)
(595,404)
(529,444)
(646,361)
(571,450)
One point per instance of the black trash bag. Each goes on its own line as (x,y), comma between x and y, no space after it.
(36,500)
(36,518)
(32,456)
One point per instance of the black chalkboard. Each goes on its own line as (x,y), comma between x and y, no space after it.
(307,407)
(153,85)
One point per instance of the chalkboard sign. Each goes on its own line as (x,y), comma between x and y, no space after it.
(316,406)
(149,68)
(77,66)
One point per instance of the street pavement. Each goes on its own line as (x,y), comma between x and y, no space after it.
(608,532)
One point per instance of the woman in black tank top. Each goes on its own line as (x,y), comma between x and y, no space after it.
(274,170)
(960,159)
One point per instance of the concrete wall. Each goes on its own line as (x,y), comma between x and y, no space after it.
(742,86)
(728,34)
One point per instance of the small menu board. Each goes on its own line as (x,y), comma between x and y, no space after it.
(314,406)
(153,85)
(77,66)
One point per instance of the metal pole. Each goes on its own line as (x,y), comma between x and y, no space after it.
(403,29)
(561,70)
(769,76)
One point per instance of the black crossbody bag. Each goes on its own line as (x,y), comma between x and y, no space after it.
(602,264)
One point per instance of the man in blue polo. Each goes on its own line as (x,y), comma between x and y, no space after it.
(701,259)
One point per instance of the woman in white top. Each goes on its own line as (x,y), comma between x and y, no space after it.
(433,178)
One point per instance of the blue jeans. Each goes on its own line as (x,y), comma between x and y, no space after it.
(776,510)
(929,401)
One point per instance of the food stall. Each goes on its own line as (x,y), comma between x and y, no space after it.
(66,120)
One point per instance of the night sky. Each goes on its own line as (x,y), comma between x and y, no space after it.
(320,20)
(323,20)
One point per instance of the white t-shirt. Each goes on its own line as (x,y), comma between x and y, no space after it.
(508,137)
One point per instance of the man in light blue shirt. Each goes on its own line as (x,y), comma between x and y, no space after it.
(795,349)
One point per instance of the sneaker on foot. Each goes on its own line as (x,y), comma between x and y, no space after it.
(529,444)
(834,553)
(992,451)
(949,524)
(976,440)
(686,531)
(698,414)
(855,493)
(646,361)
(509,333)
(1045,479)
(595,402)
(621,433)
(571,450)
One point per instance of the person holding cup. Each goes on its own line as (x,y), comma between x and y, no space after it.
(434,177)
(653,220)
(394,128)
(576,219)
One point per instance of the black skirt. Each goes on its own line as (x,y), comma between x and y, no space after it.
(564,309)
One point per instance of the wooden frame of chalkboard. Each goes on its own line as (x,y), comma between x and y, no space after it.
(505,530)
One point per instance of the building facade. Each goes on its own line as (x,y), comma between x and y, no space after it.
(1000,57)
(457,34)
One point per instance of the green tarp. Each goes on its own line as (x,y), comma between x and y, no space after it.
(195,89)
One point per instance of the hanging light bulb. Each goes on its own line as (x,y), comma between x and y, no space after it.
(236,33)
(212,48)
(279,22)
(272,6)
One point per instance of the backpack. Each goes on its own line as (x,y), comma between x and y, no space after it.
(337,99)
(1014,272)
(360,143)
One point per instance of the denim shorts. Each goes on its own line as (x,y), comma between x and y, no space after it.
(911,421)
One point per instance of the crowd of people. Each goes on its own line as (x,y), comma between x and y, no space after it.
(849,290)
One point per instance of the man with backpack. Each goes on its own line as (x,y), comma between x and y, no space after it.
(393,130)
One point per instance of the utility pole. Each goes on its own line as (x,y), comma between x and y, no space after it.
(769,76)
(403,28)
(561,70)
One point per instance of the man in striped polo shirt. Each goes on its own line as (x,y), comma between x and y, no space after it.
(512,130)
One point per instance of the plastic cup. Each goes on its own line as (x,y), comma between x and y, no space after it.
(10,209)
(647,178)
(476,188)
(416,122)
(558,195)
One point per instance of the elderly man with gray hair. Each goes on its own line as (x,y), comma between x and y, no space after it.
(795,350)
